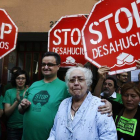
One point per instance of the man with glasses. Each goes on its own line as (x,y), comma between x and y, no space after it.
(108,86)
(42,100)
(121,80)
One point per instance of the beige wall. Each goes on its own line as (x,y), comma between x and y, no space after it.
(36,15)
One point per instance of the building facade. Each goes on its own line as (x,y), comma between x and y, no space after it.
(34,18)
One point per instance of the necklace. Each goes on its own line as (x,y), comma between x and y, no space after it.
(74,109)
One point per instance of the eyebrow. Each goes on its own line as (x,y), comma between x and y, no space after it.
(77,77)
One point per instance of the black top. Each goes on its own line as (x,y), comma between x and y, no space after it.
(127,129)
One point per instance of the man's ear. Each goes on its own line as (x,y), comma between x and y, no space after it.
(58,66)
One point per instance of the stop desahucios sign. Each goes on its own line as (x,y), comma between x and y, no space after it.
(65,39)
(8,34)
(111,35)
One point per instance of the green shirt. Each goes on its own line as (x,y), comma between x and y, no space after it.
(16,119)
(117,99)
(45,99)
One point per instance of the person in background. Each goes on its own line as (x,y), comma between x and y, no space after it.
(121,80)
(11,101)
(108,85)
(78,117)
(1,111)
(127,116)
(12,71)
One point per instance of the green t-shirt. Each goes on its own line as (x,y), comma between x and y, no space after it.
(117,99)
(45,99)
(16,119)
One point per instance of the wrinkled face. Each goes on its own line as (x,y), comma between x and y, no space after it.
(20,81)
(123,77)
(51,69)
(130,99)
(77,85)
(108,88)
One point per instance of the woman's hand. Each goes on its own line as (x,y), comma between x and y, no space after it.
(138,64)
(107,108)
(18,95)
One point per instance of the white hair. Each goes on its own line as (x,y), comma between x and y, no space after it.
(87,73)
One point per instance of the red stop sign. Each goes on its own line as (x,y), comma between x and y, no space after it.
(8,34)
(111,35)
(66,40)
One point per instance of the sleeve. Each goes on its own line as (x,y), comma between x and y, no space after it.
(7,98)
(106,127)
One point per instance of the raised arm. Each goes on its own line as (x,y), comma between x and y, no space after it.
(102,71)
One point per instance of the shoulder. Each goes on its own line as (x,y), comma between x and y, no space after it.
(37,83)
(10,90)
(58,81)
(65,102)
(97,100)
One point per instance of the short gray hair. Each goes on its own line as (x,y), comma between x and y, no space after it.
(87,73)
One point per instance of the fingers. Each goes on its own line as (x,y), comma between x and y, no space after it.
(25,103)
(105,110)
(103,100)
(18,95)
(79,65)
(102,71)
(110,114)
(138,64)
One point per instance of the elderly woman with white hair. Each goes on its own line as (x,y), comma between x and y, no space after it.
(78,117)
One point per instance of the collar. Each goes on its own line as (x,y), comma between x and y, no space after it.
(113,95)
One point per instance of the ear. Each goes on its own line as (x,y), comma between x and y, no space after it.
(58,67)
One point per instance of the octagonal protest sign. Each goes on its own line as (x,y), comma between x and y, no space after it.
(111,35)
(8,34)
(65,39)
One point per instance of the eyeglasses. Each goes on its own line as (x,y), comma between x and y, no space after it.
(48,64)
(20,78)
(79,79)
(124,75)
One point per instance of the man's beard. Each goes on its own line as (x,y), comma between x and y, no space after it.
(106,93)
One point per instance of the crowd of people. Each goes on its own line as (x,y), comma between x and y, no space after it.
(56,110)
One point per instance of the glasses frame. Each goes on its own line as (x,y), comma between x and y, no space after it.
(48,64)
(79,80)
(20,78)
